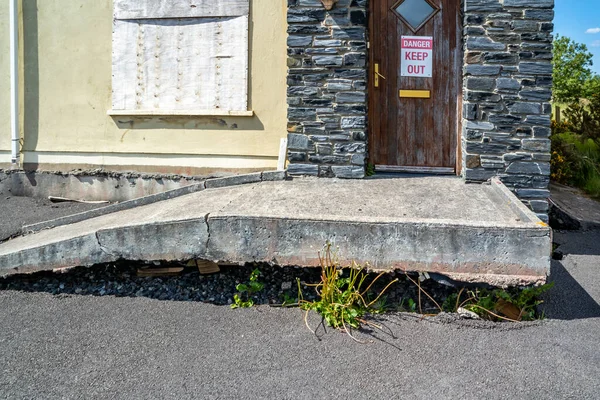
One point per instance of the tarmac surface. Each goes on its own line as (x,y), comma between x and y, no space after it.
(19,211)
(85,347)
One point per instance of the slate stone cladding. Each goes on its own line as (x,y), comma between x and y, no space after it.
(506,95)
(327,82)
(507,83)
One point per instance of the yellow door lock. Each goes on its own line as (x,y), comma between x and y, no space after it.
(377,75)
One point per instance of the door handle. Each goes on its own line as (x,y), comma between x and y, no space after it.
(377,75)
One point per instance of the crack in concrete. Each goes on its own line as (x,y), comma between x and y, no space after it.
(207,219)
(103,248)
(207,251)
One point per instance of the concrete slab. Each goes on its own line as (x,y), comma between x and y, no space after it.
(477,233)
(154,198)
(573,205)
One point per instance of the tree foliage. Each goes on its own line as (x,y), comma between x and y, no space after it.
(573,77)
(592,86)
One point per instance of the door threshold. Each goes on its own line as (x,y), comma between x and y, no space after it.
(415,170)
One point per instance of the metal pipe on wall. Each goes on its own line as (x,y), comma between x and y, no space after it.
(14,82)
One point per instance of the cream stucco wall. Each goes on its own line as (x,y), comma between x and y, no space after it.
(4,85)
(66,74)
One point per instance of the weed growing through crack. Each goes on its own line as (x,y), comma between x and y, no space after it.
(341,299)
(379,306)
(410,306)
(246,290)
(370,170)
(346,295)
(509,305)
(288,301)
(515,304)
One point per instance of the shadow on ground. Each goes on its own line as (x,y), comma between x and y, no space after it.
(582,242)
(568,300)
(577,283)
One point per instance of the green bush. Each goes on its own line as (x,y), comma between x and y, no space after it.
(583,117)
(576,161)
(576,147)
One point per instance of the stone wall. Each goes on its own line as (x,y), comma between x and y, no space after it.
(327,82)
(507,90)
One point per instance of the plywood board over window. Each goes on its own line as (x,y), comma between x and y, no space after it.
(180,57)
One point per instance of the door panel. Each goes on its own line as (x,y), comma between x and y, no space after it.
(415,132)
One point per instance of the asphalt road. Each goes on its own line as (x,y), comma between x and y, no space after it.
(18,211)
(85,347)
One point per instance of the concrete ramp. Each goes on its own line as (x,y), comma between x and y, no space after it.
(475,233)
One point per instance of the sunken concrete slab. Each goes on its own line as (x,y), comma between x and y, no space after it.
(475,233)
(575,209)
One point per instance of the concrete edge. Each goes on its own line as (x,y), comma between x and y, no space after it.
(388,246)
(578,222)
(165,241)
(81,251)
(516,205)
(266,176)
(497,280)
(433,223)
(569,222)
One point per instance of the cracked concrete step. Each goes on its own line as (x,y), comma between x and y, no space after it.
(469,232)
(168,230)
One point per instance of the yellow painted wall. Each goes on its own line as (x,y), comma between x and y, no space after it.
(66,72)
(4,84)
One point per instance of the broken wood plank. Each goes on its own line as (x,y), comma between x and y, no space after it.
(56,199)
(205,267)
(157,272)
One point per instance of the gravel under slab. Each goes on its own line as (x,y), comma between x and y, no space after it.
(120,279)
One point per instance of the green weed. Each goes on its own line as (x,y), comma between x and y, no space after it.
(370,171)
(243,299)
(341,297)
(499,304)
(411,306)
(576,161)
(288,301)
(379,306)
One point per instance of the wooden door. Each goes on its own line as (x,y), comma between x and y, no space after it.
(409,133)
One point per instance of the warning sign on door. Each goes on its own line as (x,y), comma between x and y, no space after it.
(417,56)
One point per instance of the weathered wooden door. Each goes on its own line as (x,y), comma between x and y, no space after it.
(415,84)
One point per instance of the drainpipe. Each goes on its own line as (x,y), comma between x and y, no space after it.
(14,82)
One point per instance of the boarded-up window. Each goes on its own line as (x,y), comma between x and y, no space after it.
(180,55)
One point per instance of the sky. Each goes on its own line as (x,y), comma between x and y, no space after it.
(580,20)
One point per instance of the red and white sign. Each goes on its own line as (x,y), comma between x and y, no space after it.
(417,56)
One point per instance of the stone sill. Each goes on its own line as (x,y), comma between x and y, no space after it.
(184,113)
